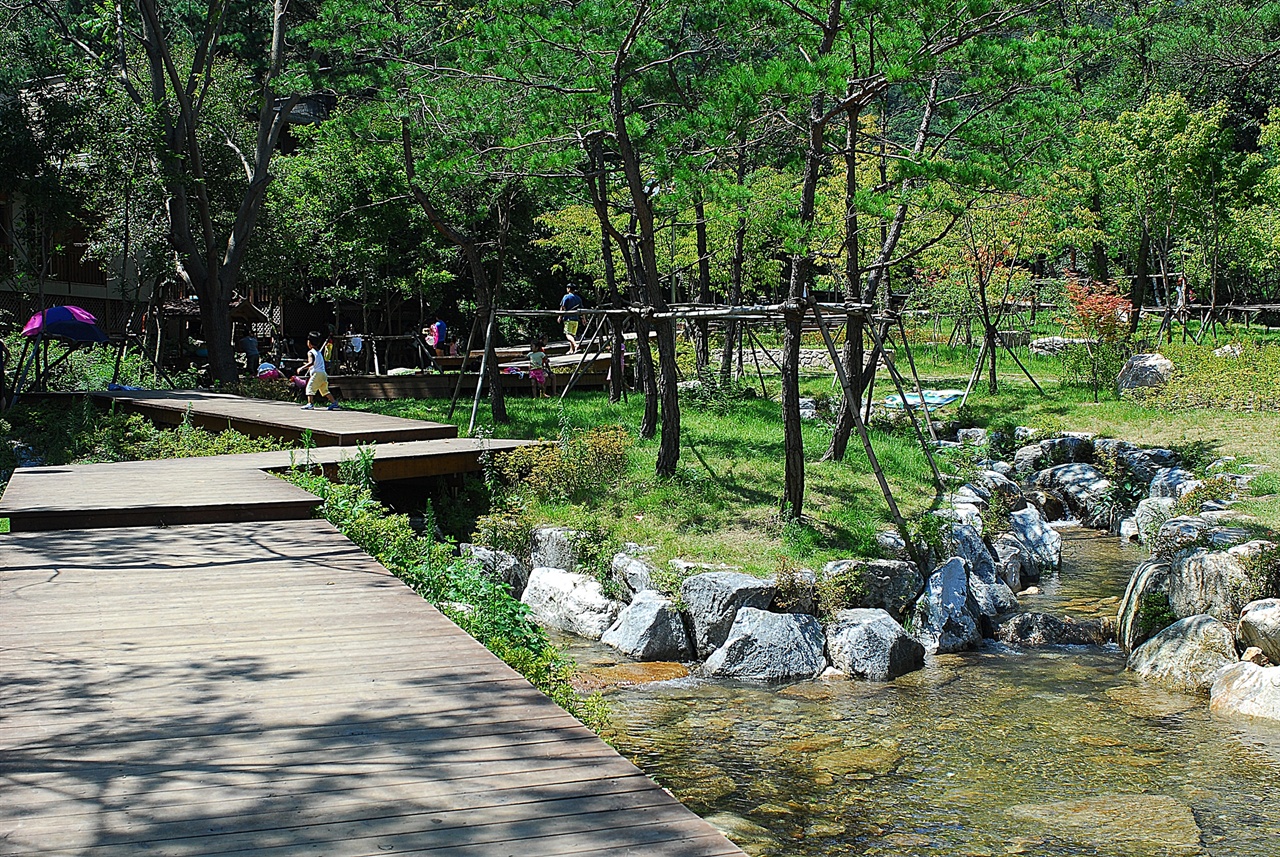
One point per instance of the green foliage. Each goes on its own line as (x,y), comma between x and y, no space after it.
(583,463)
(1123,494)
(1154,614)
(479,604)
(715,396)
(791,588)
(508,527)
(1201,379)
(1094,366)
(1262,575)
(843,589)
(1213,488)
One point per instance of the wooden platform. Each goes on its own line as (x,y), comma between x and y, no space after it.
(271,690)
(267,418)
(441,386)
(217,489)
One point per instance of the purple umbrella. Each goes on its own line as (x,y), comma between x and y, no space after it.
(66,322)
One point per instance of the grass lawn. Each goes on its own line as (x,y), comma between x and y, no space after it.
(723,504)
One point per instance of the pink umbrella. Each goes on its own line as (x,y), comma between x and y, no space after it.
(56,316)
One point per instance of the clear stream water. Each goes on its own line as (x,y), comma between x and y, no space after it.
(1048,752)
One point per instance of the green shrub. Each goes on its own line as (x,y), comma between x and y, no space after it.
(1262,576)
(715,396)
(1099,364)
(843,589)
(1202,379)
(791,588)
(508,528)
(1215,488)
(1154,614)
(581,465)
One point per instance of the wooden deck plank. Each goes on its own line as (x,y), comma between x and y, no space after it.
(221,489)
(265,417)
(234,689)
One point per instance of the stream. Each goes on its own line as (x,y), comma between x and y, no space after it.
(1046,752)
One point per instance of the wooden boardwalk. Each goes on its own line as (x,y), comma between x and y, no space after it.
(236,689)
(216,489)
(267,418)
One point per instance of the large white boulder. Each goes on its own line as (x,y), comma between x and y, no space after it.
(632,573)
(1148,580)
(992,595)
(1151,515)
(764,646)
(1247,689)
(943,622)
(571,602)
(868,644)
(500,565)
(1186,655)
(1040,544)
(1144,370)
(1260,626)
(713,600)
(1171,482)
(1204,581)
(554,547)
(650,629)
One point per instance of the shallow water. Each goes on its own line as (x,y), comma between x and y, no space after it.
(963,756)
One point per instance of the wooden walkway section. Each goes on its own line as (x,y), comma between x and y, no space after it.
(217,489)
(267,418)
(235,689)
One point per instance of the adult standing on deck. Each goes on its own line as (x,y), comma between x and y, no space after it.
(569,305)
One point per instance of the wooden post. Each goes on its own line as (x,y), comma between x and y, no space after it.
(911,411)
(854,407)
(583,359)
(977,370)
(911,361)
(755,344)
(484,362)
(462,369)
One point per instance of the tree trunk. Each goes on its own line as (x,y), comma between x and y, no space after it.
(735,271)
(1140,277)
(702,344)
(215,325)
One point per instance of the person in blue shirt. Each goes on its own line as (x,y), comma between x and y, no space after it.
(569,305)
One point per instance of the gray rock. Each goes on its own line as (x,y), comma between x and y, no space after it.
(571,602)
(868,644)
(632,573)
(1137,824)
(1246,689)
(972,495)
(1171,482)
(713,600)
(499,565)
(764,646)
(1050,506)
(1260,626)
(1178,534)
(1203,581)
(1025,434)
(1004,468)
(1151,515)
(991,594)
(1129,530)
(1027,458)
(891,544)
(651,629)
(1082,487)
(1009,562)
(1068,449)
(943,622)
(972,436)
(1041,545)
(1031,630)
(1050,345)
(1148,578)
(1187,655)
(555,547)
(1144,370)
(887,584)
